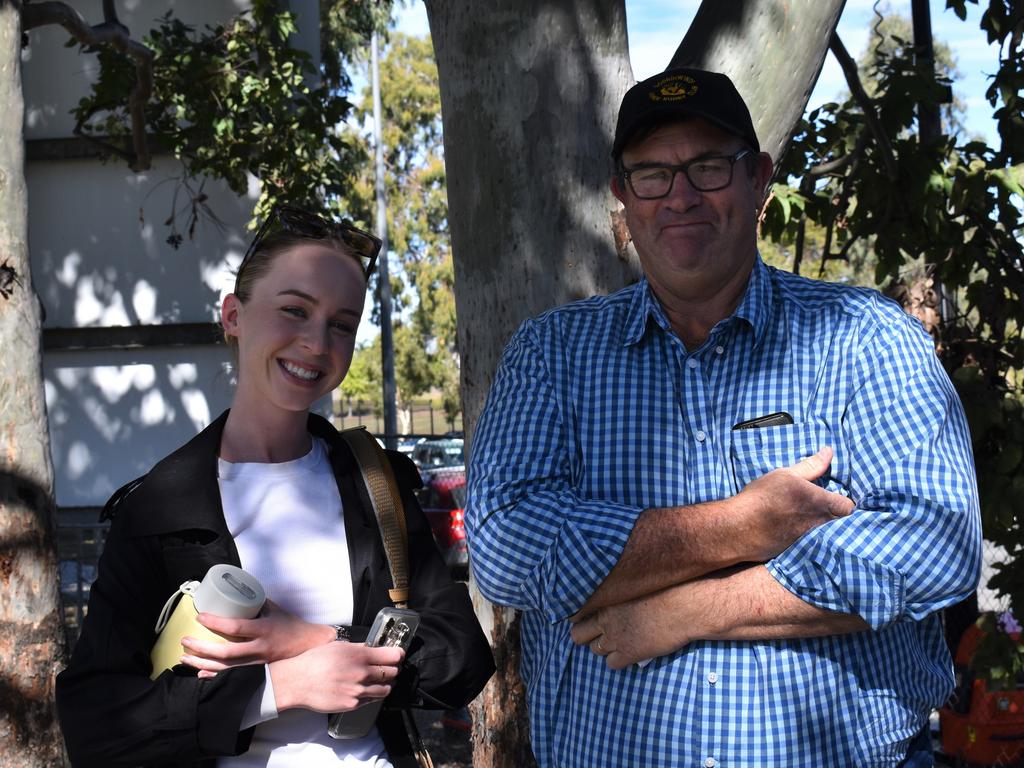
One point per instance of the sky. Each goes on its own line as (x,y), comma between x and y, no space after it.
(652,42)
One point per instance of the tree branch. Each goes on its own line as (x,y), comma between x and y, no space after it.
(111,32)
(110,12)
(849,67)
(840,163)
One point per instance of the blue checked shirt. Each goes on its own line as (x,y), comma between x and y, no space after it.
(598,412)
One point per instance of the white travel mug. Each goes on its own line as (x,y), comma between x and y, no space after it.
(226,591)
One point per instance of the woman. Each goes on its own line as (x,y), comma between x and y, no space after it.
(274,489)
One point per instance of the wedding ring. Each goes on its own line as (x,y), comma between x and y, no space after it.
(600,648)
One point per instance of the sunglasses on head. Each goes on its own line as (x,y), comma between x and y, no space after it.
(287,218)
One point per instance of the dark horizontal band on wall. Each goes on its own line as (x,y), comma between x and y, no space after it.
(76,148)
(132,336)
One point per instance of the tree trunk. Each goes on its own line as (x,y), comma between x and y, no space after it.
(31,630)
(529,96)
(771,49)
(527,99)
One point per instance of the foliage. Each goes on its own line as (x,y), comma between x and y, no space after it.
(240,101)
(412,373)
(417,210)
(999,654)
(953,207)
(888,34)
(362,382)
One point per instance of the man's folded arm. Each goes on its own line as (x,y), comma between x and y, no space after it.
(913,543)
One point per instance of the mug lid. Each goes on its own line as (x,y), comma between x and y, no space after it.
(228,591)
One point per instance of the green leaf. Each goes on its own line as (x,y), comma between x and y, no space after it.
(1011,179)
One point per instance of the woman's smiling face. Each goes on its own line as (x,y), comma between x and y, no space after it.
(296,333)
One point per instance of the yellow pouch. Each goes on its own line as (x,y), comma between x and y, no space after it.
(225,591)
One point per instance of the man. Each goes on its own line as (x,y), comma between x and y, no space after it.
(761,482)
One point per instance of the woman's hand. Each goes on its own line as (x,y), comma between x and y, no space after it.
(335,677)
(276,634)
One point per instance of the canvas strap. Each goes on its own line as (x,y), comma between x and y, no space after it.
(387,507)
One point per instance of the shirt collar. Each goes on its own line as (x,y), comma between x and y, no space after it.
(642,308)
(754,307)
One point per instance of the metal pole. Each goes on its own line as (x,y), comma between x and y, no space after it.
(929,120)
(387,347)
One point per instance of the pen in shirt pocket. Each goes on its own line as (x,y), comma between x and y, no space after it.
(779,419)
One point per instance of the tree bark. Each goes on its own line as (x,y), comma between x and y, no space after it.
(771,49)
(31,630)
(527,94)
(529,97)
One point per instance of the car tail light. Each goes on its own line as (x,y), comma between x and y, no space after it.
(456,525)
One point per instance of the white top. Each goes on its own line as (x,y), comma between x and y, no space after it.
(287,523)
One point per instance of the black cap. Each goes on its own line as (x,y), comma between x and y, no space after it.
(679,93)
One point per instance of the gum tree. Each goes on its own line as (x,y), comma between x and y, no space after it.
(31,630)
(529,98)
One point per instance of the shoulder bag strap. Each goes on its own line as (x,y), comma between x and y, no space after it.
(387,507)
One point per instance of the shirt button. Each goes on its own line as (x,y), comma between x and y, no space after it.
(710,763)
(692,362)
(719,349)
(700,436)
(712,677)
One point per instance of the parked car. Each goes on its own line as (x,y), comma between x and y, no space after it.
(406,444)
(443,497)
(442,452)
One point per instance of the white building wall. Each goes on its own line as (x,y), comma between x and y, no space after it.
(100,259)
(115,413)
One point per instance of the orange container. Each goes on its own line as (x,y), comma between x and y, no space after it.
(979,726)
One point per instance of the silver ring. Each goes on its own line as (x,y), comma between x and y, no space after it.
(600,648)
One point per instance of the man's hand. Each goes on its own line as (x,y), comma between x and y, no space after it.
(630,632)
(744,603)
(276,634)
(673,545)
(784,504)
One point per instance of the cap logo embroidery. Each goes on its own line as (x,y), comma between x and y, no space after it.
(676,88)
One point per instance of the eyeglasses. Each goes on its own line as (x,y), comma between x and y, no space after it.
(705,174)
(288,218)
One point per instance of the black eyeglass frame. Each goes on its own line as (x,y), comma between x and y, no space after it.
(684,168)
(289,218)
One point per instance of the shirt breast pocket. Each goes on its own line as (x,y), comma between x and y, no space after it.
(756,452)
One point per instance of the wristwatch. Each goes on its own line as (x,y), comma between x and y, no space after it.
(341,632)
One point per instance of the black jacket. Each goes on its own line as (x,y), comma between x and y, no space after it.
(168,527)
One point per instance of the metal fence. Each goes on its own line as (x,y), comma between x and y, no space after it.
(422,418)
(79,544)
(988,600)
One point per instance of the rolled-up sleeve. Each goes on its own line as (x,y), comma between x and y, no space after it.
(913,542)
(535,544)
